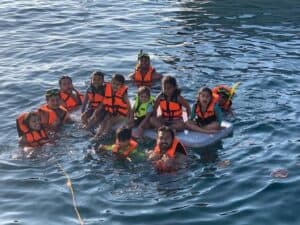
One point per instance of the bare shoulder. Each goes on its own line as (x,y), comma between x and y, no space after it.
(155,75)
(181,99)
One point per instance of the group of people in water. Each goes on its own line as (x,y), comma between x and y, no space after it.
(106,105)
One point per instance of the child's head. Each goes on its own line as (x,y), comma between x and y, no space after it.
(53,99)
(117,81)
(143,60)
(144,94)
(65,84)
(204,96)
(169,85)
(32,119)
(97,79)
(165,136)
(223,96)
(123,136)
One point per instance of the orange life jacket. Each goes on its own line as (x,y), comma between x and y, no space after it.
(113,102)
(145,80)
(95,98)
(132,146)
(216,91)
(52,115)
(170,109)
(209,115)
(70,101)
(172,150)
(31,136)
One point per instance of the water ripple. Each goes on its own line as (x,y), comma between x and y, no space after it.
(199,42)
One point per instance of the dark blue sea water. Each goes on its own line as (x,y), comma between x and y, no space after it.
(201,43)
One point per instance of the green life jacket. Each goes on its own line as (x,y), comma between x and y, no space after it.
(140,109)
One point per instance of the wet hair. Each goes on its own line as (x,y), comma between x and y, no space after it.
(164,129)
(144,89)
(52,92)
(169,80)
(97,73)
(145,56)
(224,93)
(205,89)
(63,78)
(118,77)
(123,134)
(172,81)
(141,56)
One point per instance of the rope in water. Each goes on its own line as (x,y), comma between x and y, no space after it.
(69,184)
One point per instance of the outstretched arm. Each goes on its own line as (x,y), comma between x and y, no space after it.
(130,112)
(131,76)
(95,117)
(84,103)
(77,96)
(156,105)
(191,125)
(156,76)
(186,105)
(68,119)
(218,113)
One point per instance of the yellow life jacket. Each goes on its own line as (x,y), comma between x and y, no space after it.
(140,109)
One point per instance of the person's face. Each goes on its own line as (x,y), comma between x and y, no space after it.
(66,85)
(97,81)
(222,99)
(144,63)
(115,85)
(168,89)
(54,102)
(204,98)
(144,97)
(123,144)
(34,122)
(164,141)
